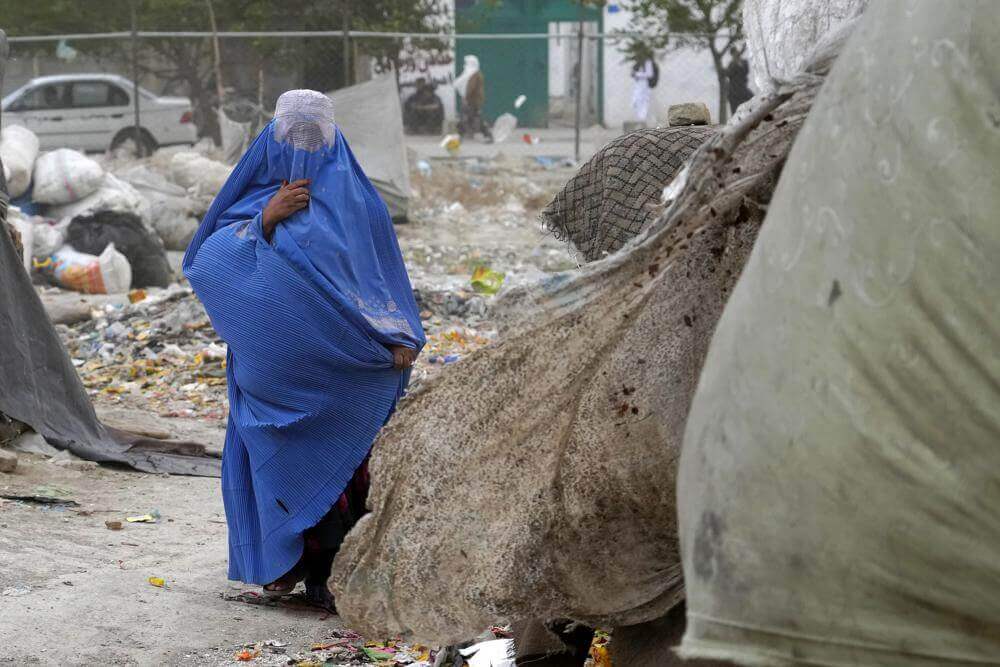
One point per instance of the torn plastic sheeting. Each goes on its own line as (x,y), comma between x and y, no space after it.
(42,389)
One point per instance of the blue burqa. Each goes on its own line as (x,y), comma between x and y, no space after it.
(308,318)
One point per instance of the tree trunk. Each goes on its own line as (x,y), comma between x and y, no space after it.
(720,74)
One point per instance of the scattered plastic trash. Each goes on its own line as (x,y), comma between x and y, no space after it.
(152,517)
(16,591)
(600,656)
(443,358)
(136,295)
(519,102)
(41,500)
(451,143)
(424,167)
(530,139)
(108,273)
(246,655)
(157,581)
(504,126)
(486,281)
(492,653)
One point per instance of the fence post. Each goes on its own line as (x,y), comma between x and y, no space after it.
(579,82)
(346,26)
(136,131)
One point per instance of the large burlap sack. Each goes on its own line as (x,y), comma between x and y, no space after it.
(841,470)
(18,151)
(535,478)
(64,175)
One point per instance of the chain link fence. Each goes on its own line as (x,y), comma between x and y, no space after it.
(535,77)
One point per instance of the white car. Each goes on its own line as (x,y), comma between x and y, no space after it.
(94,112)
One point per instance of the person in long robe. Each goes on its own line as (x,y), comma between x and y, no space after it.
(298,267)
(643,72)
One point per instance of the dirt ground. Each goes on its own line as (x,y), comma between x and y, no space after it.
(76,593)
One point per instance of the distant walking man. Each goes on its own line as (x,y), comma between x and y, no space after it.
(471,85)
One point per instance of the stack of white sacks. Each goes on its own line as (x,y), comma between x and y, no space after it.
(64,184)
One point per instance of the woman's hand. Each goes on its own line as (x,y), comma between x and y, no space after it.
(289,198)
(402,356)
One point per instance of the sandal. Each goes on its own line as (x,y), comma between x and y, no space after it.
(286,583)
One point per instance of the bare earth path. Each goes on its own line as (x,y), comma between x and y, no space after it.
(77,593)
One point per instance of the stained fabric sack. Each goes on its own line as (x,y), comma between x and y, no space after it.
(144,250)
(18,151)
(64,175)
(841,471)
(537,475)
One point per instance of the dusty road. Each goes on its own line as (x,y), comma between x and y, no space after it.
(77,593)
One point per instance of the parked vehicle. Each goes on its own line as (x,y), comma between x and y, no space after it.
(94,112)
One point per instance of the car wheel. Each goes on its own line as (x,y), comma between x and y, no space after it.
(146,145)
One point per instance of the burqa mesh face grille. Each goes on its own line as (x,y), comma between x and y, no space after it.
(305,119)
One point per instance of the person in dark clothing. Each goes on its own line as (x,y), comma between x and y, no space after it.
(423,111)
(737,74)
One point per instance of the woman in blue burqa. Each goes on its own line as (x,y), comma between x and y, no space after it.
(300,272)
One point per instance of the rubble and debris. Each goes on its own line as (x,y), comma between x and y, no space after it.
(8,461)
(688,113)
(131,237)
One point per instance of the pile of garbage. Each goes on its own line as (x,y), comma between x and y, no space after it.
(105,228)
(159,353)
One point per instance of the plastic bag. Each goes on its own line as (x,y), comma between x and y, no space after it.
(18,151)
(171,211)
(199,174)
(114,194)
(109,273)
(63,176)
(840,471)
(503,127)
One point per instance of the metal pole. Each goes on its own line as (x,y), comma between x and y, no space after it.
(579,83)
(136,131)
(346,25)
(220,89)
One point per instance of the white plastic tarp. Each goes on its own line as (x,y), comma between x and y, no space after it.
(840,474)
(371,117)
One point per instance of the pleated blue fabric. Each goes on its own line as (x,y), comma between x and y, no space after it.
(308,318)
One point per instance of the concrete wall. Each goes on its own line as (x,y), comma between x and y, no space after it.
(686,75)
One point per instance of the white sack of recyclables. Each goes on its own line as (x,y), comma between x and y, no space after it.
(63,176)
(114,194)
(18,151)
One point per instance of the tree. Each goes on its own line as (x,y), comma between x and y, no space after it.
(715,25)
(186,65)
